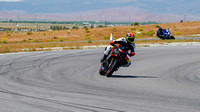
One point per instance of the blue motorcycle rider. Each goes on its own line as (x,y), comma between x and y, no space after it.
(164,34)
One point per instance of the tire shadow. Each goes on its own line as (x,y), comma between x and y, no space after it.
(129,76)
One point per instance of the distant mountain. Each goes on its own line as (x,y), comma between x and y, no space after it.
(115,10)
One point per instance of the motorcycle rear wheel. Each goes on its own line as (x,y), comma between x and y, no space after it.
(172,37)
(113,66)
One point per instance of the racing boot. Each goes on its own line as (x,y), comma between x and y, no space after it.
(103,58)
(127,64)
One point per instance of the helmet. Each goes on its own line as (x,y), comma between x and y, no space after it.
(130,37)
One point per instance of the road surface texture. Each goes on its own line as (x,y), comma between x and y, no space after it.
(160,79)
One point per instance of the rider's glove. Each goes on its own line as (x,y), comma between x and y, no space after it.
(132,54)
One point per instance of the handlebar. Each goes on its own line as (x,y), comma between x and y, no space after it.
(118,49)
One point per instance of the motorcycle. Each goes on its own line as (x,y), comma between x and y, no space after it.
(115,59)
(164,34)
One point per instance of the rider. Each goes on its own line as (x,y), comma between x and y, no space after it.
(127,43)
(160,30)
(163,32)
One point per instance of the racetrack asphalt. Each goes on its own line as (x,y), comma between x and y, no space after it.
(160,79)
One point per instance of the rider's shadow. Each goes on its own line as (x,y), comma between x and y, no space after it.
(129,76)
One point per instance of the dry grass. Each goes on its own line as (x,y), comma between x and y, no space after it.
(163,41)
(188,28)
(6,48)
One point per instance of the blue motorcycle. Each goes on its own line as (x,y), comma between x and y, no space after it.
(164,34)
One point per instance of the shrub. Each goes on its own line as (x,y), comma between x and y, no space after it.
(150,32)
(8,34)
(29,38)
(106,37)
(140,29)
(87,30)
(66,28)
(6,51)
(75,27)
(58,27)
(29,33)
(85,27)
(133,29)
(136,24)
(36,40)
(61,39)
(87,34)
(100,26)
(174,28)
(55,37)
(157,26)
(24,40)
(4,40)
(25,50)
(177,33)
(89,39)
(138,35)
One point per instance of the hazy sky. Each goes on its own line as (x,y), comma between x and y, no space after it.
(10,0)
(180,7)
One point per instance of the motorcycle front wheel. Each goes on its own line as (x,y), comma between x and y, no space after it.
(101,70)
